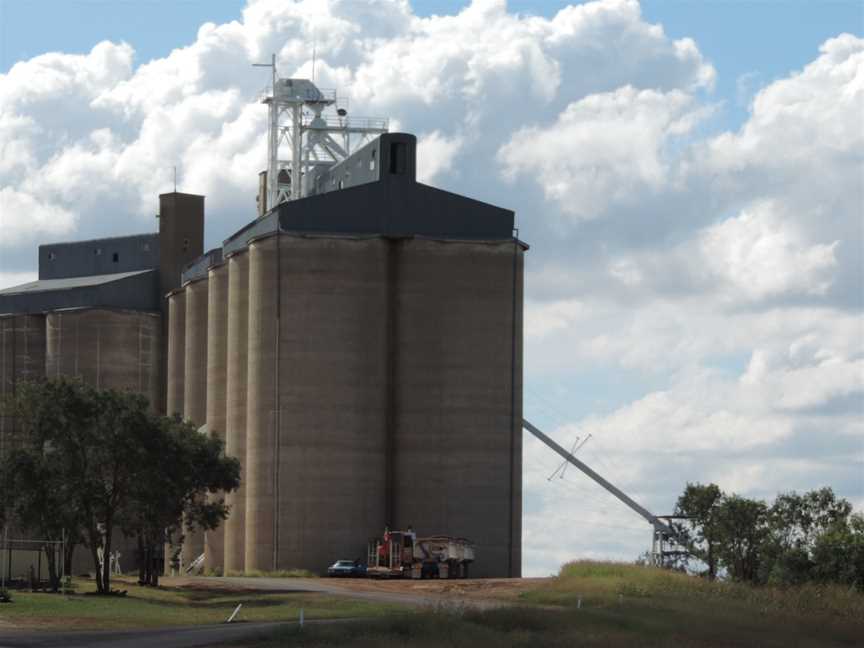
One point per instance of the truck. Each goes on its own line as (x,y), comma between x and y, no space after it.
(401,554)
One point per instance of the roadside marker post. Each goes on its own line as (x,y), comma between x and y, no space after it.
(234,613)
(301,618)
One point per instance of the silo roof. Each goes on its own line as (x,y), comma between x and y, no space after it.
(136,290)
(43,285)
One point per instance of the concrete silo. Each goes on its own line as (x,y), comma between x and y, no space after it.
(176,356)
(235,405)
(261,434)
(457,437)
(217,356)
(106,348)
(195,382)
(317,398)
(22,358)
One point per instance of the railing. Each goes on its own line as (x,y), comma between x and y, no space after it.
(351,123)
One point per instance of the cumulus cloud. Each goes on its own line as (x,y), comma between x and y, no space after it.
(604,150)
(760,255)
(436,154)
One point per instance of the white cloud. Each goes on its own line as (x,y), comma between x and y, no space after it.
(761,255)
(602,151)
(436,154)
(22,215)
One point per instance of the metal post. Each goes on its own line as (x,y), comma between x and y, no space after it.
(5,544)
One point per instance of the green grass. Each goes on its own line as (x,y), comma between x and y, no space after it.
(167,606)
(621,605)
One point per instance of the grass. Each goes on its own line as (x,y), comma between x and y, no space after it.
(607,604)
(166,606)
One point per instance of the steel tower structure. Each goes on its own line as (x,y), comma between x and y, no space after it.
(314,127)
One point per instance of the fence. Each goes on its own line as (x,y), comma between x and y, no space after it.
(24,563)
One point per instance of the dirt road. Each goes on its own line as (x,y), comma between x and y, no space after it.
(474,593)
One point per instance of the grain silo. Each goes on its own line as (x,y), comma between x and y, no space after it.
(217,376)
(106,348)
(372,362)
(97,312)
(235,406)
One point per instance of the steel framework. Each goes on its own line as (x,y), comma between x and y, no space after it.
(298,121)
(663,534)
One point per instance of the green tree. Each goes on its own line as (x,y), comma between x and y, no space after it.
(699,504)
(797,523)
(116,467)
(36,496)
(189,464)
(743,526)
(838,553)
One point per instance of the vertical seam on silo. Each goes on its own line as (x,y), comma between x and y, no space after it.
(512,407)
(391,346)
(278,421)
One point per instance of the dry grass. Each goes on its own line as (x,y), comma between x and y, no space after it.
(609,604)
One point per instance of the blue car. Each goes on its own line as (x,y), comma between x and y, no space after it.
(346,568)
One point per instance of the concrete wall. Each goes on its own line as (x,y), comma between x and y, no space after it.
(108,349)
(22,357)
(217,357)
(457,450)
(235,406)
(195,383)
(332,398)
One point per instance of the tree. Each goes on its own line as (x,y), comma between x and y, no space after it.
(188,464)
(838,553)
(799,538)
(797,523)
(699,504)
(742,526)
(35,492)
(115,466)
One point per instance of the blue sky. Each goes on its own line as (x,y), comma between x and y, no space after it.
(694,284)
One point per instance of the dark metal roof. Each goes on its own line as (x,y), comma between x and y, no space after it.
(388,202)
(43,285)
(137,290)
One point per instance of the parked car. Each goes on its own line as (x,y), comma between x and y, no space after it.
(346,568)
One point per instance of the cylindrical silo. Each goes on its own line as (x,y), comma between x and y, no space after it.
(457,460)
(107,349)
(22,358)
(217,349)
(332,404)
(235,425)
(176,371)
(195,384)
(261,405)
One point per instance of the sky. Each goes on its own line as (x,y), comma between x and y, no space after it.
(689,175)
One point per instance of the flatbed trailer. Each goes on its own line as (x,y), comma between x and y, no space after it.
(401,554)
